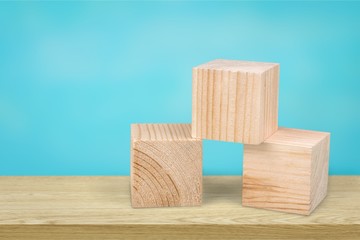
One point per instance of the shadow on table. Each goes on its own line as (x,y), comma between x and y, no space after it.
(222,189)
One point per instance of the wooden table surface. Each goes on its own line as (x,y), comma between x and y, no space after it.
(99,208)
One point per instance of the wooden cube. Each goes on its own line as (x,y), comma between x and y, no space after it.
(288,172)
(166,166)
(235,101)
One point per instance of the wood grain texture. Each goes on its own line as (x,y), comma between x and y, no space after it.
(288,172)
(166,166)
(235,101)
(99,208)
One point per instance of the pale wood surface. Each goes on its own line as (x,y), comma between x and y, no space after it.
(296,137)
(235,101)
(238,66)
(161,132)
(288,172)
(166,166)
(99,208)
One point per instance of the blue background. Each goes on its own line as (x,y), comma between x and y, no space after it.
(73,76)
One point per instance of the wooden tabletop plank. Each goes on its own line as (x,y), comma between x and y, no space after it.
(99,207)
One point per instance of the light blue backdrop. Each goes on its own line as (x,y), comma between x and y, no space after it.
(73,76)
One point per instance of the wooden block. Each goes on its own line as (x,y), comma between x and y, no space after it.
(235,101)
(166,166)
(288,172)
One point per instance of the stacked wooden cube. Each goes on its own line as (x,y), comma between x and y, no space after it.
(284,169)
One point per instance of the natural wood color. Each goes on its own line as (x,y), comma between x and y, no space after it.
(99,208)
(288,172)
(166,166)
(235,101)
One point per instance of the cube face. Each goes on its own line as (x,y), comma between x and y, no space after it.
(166,166)
(276,179)
(235,101)
(288,172)
(320,172)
